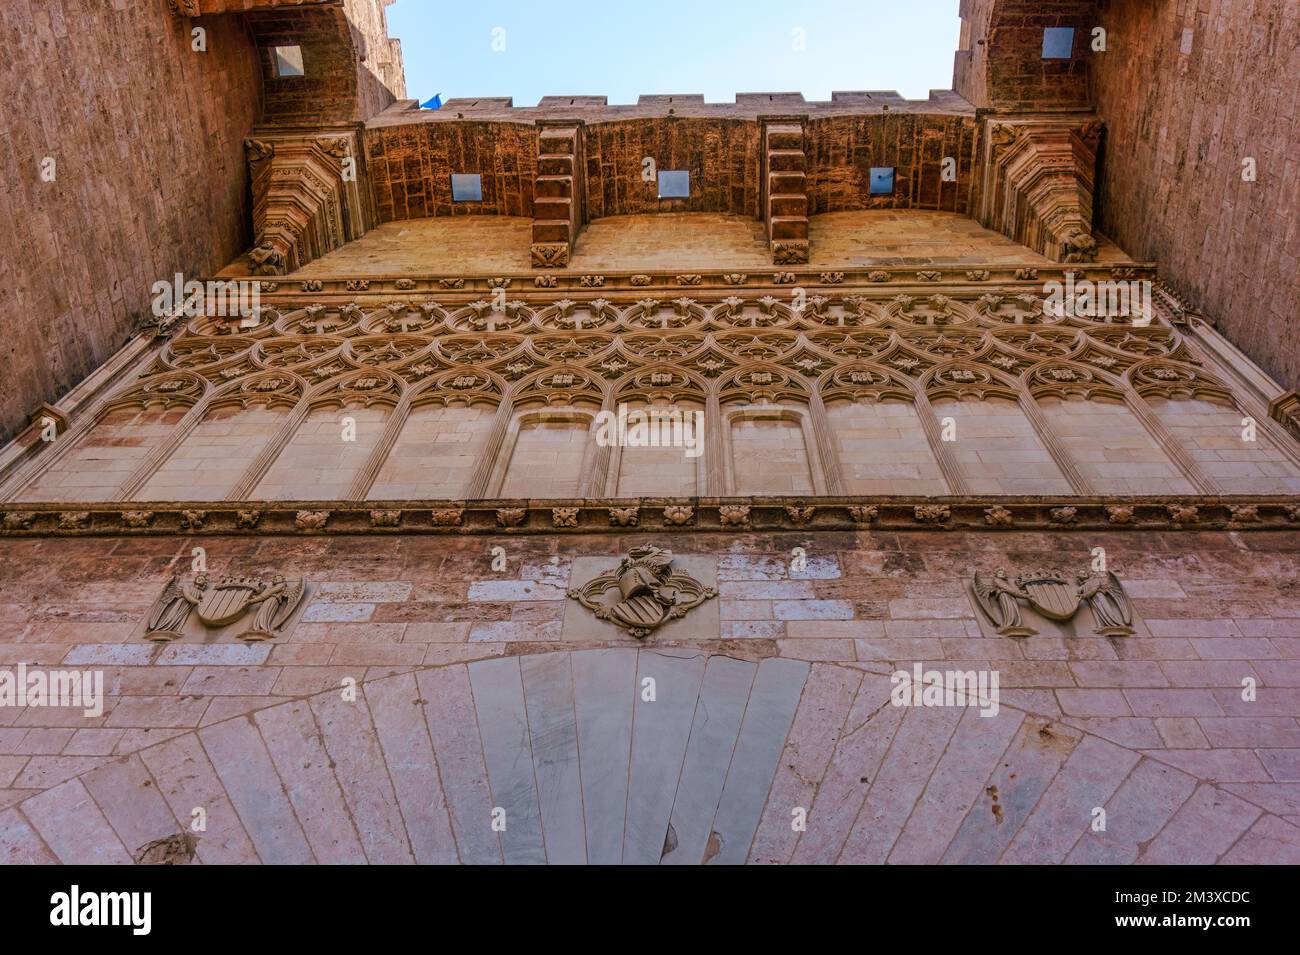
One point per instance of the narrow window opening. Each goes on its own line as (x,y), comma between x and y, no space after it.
(674,184)
(287,61)
(466,187)
(1058,43)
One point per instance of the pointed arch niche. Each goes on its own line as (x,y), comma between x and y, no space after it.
(881,442)
(995,445)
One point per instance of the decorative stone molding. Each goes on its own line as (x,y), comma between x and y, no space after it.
(564,516)
(1119,514)
(998,517)
(448,516)
(734,515)
(303,204)
(719,280)
(549,255)
(1286,409)
(800,515)
(932,513)
(74,520)
(137,519)
(678,515)
(386,518)
(968,512)
(624,516)
(863,513)
(511,516)
(1037,185)
(1063,515)
(1244,513)
(311,520)
(18,520)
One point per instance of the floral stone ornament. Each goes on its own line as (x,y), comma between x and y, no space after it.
(650,592)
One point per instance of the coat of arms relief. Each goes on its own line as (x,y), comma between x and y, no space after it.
(648,592)
(1055,597)
(270,603)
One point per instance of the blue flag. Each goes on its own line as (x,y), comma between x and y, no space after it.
(435,103)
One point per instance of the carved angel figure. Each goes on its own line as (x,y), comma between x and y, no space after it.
(1109,604)
(1000,599)
(277,604)
(167,616)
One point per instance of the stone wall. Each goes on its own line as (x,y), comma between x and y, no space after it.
(1000,66)
(1171,178)
(147,140)
(1152,726)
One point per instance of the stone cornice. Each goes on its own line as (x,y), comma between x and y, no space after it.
(653,515)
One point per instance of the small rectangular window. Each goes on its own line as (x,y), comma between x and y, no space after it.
(1058,43)
(882,180)
(287,60)
(466,187)
(674,184)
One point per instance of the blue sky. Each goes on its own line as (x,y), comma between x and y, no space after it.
(621,49)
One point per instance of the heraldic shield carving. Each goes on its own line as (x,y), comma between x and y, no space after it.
(224,602)
(650,592)
(1054,596)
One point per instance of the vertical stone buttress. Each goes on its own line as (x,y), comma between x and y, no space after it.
(558,206)
(785,190)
